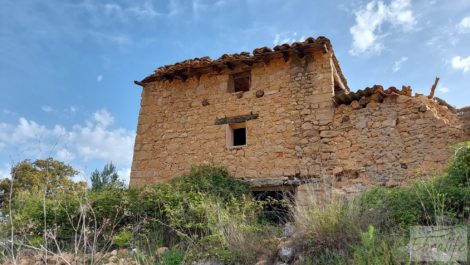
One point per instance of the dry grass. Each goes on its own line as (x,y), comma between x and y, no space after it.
(325,228)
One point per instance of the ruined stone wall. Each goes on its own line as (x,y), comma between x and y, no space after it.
(464,115)
(382,144)
(176,131)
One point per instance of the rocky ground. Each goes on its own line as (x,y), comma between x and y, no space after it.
(115,257)
(285,254)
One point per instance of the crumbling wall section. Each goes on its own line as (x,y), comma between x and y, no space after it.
(384,140)
(464,116)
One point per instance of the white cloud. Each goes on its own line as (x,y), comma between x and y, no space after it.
(125,174)
(397,65)
(199,7)
(24,131)
(91,141)
(369,20)
(73,109)
(107,145)
(108,37)
(103,118)
(64,155)
(142,10)
(444,89)
(460,63)
(99,78)
(145,10)
(287,37)
(464,24)
(47,108)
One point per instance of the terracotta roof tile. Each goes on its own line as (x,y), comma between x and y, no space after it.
(203,65)
(347,98)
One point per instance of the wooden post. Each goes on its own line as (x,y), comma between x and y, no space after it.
(433,88)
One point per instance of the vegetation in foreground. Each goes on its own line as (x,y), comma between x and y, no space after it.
(208,215)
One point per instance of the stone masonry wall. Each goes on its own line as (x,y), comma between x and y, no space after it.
(464,115)
(176,131)
(386,143)
(313,90)
(300,136)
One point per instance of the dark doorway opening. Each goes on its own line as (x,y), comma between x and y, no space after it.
(277,204)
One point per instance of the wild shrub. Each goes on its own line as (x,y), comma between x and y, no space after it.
(327,230)
(171,257)
(374,248)
(441,200)
(206,211)
(337,233)
(236,235)
(123,239)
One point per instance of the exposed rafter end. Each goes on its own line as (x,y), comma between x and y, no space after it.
(286,56)
(300,52)
(181,77)
(216,68)
(248,62)
(230,65)
(266,60)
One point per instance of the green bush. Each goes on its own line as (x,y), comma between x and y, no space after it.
(123,239)
(171,257)
(375,249)
(336,233)
(205,210)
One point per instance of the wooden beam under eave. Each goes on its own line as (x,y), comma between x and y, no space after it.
(230,65)
(266,59)
(247,62)
(337,79)
(285,55)
(194,72)
(300,52)
(169,77)
(216,68)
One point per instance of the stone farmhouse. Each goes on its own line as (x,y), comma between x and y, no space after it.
(285,119)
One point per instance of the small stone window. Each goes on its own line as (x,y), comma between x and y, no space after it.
(240,82)
(236,134)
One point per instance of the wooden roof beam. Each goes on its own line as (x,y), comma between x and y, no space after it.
(285,55)
(300,52)
(230,65)
(247,62)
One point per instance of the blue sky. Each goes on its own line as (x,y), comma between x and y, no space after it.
(67,67)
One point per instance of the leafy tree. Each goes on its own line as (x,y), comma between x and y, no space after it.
(40,175)
(106,179)
(4,191)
